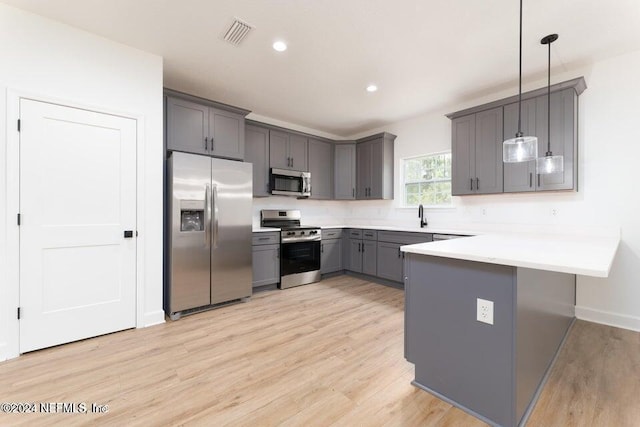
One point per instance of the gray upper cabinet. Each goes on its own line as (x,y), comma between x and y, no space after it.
(478,132)
(463,164)
(257,153)
(199,128)
(374,167)
(520,177)
(345,171)
(477,153)
(321,169)
(288,151)
(226,134)
(187,126)
(564,132)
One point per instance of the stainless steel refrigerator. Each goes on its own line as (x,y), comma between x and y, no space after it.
(209,239)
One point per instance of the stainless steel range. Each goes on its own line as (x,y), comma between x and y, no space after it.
(299,247)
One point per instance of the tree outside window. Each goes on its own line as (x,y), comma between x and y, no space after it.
(427,180)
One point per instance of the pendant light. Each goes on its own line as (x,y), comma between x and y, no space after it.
(549,163)
(521,148)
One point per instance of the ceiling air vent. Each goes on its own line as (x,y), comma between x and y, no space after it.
(237,32)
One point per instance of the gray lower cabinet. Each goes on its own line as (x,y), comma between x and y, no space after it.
(202,129)
(374,167)
(330,256)
(266,259)
(362,252)
(477,153)
(257,153)
(288,151)
(390,261)
(345,171)
(321,169)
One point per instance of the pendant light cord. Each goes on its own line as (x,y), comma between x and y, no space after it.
(549,105)
(519,134)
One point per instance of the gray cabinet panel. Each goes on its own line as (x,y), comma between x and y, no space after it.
(463,162)
(332,233)
(488,151)
(355,255)
(265,238)
(279,150)
(370,234)
(187,126)
(363,170)
(266,265)
(321,169)
(376,169)
(390,261)
(563,138)
(226,132)
(331,256)
(369,257)
(355,233)
(298,151)
(520,177)
(257,153)
(345,171)
(403,237)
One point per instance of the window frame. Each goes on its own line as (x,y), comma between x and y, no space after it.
(403,182)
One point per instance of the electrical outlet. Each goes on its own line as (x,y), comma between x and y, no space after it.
(484,311)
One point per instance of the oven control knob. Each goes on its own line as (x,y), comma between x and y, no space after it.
(302,233)
(290,233)
(313,232)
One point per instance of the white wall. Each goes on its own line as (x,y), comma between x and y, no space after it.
(609,183)
(55,61)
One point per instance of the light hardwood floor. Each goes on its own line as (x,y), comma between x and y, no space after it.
(324,354)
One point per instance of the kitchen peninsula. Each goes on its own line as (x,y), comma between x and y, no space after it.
(485,316)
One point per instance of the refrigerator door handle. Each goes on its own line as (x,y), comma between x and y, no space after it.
(207,218)
(215,216)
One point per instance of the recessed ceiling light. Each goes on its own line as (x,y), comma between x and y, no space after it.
(372,88)
(280,46)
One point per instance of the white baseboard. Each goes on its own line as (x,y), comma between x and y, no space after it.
(608,318)
(153,318)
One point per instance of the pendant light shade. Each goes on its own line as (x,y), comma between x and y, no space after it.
(521,148)
(549,163)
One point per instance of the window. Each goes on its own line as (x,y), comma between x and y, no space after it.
(427,180)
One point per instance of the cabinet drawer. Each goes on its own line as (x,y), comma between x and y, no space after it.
(332,233)
(266,238)
(355,233)
(370,234)
(404,238)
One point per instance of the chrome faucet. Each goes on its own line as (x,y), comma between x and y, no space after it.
(423,222)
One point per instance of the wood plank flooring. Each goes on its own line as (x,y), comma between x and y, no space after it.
(330,353)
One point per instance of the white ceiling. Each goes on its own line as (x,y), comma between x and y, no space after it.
(424,55)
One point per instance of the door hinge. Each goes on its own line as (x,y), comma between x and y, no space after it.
(18,313)
(18,125)
(18,220)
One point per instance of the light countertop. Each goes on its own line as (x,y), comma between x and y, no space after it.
(584,255)
(259,229)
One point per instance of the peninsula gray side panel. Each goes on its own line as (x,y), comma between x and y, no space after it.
(455,355)
(546,307)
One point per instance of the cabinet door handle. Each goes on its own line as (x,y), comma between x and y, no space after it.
(399,252)
(530,179)
(538,180)
(363,248)
(292,162)
(206,140)
(353,192)
(477,183)
(322,248)
(471,183)
(263,238)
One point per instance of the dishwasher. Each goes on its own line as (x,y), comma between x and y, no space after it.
(438,237)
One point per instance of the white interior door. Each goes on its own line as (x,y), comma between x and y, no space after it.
(77,197)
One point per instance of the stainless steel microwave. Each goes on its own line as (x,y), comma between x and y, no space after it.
(290,183)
